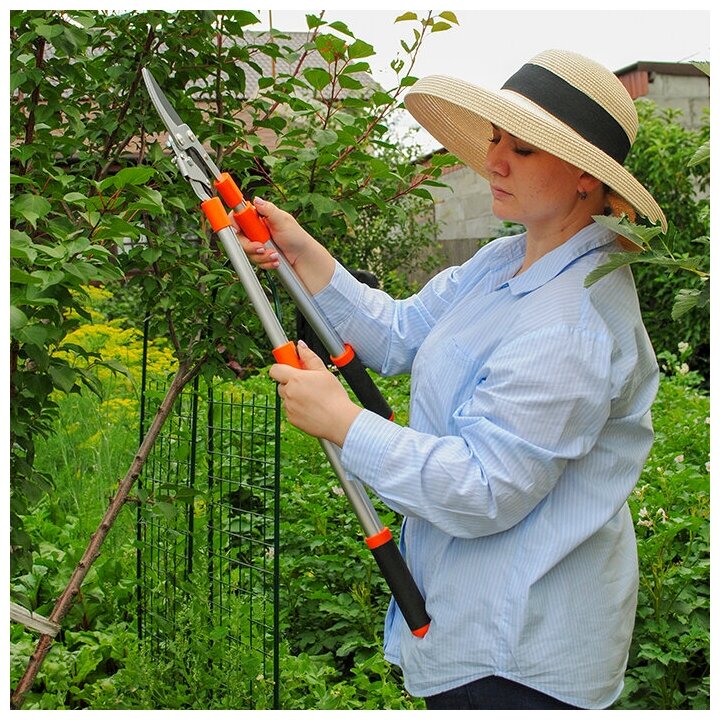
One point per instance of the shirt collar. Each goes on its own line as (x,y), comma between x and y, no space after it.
(551,264)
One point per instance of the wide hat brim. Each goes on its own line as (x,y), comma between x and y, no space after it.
(459,115)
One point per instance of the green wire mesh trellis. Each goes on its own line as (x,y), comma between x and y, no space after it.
(208,539)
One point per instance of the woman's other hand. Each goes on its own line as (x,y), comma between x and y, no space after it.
(314,399)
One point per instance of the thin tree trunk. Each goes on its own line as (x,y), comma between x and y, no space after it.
(185,374)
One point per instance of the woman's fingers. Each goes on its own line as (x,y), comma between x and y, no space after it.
(257,253)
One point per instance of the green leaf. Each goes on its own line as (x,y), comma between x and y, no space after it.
(31,207)
(21,246)
(49,31)
(341,27)
(114,228)
(701,155)
(58,252)
(360,49)
(406,16)
(688,299)
(440,26)
(83,271)
(449,16)
(150,255)
(317,77)
(167,510)
(117,367)
(615,261)
(18,318)
(16,80)
(63,377)
(349,83)
(21,277)
(422,192)
(80,244)
(75,197)
(361,67)
(150,200)
(323,138)
(132,176)
(48,277)
(34,334)
(637,234)
(330,47)
(20,180)
(313,21)
(321,203)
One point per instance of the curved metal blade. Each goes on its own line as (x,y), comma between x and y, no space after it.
(193,161)
(165,110)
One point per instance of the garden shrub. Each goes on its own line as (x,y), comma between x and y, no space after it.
(661,157)
(669,664)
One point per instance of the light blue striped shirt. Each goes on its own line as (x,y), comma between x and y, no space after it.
(529,426)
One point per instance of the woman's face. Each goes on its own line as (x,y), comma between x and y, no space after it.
(529,186)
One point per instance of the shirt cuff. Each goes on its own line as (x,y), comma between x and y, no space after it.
(365,445)
(340,297)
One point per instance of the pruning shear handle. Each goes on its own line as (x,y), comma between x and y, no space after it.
(196,166)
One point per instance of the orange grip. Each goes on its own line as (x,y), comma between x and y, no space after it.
(344,358)
(215,213)
(252,224)
(287,355)
(421,632)
(229,191)
(375,541)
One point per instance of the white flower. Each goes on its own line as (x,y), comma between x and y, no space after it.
(683,347)
(684,369)
(662,515)
(644,518)
(338,490)
(707,420)
(680,458)
(707,466)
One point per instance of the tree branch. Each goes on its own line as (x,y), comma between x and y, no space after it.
(125,107)
(186,372)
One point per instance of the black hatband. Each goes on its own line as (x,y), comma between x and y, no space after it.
(576,109)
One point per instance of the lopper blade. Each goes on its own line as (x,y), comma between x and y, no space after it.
(193,161)
(164,109)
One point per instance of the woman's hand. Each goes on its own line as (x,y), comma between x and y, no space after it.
(310,260)
(314,399)
(286,232)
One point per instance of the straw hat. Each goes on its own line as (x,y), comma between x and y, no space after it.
(559,101)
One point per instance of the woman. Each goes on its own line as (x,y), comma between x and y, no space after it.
(530,399)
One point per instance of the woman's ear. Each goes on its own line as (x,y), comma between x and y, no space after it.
(587,183)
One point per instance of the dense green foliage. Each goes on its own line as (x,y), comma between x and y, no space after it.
(95,199)
(673,272)
(670,655)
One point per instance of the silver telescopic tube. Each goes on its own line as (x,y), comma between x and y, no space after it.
(304,300)
(307,305)
(253,288)
(354,491)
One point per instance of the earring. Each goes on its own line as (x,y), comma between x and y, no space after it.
(583,195)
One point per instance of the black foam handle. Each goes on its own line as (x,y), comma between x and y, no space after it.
(402,585)
(363,386)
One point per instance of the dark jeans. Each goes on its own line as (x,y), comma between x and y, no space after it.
(494,693)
